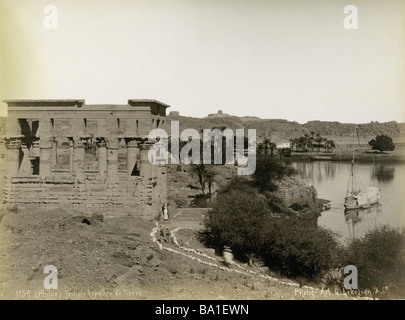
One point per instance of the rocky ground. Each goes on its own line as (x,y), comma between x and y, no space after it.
(127,258)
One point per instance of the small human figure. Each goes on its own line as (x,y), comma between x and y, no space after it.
(165,212)
(228,256)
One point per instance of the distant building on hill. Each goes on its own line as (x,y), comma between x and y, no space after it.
(283,145)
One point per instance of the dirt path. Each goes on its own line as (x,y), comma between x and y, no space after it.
(127,258)
(191,219)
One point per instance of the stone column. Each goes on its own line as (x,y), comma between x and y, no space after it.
(145,165)
(45,156)
(54,152)
(102,155)
(112,157)
(132,154)
(78,155)
(25,162)
(71,155)
(13,145)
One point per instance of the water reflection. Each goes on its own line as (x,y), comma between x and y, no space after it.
(384,173)
(330,179)
(359,221)
(318,170)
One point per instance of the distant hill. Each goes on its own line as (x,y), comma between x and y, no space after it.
(279,129)
(373,128)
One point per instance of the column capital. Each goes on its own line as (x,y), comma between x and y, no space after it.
(78,142)
(146,145)
(101,142)
(131,143)
(46,142)
(112,143)
(13,142)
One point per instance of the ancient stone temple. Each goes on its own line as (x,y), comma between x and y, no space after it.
(90,157)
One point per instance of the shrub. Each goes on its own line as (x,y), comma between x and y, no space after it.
(379,259)
(296,249)
(236,220)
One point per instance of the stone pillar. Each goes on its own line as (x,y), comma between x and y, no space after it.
(25,162)
(78,155)
(71,155)
(54,152)
(112,157)
(132,154)
(13,145)
(45,156)
(146,168)
(102,155)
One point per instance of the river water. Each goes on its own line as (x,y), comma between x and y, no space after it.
(331,179)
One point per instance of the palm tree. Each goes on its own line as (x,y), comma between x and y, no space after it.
(312,140)
(266,142)
(307,142)
(331,144)
(325,144)
(302,143)
(318,141)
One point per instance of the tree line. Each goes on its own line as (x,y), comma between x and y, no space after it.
(311,142)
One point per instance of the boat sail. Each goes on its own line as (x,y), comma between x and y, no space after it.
(357,196)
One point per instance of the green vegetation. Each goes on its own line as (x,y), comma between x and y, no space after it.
(296,249)
(382,143)
(380,259)
(308,142)
(266,147)
(237,220)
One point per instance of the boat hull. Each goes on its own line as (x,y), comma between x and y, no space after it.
(363,198)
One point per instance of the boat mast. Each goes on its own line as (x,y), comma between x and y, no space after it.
(354,152)
(374,184)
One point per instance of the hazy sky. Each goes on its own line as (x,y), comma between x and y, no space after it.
(272,59)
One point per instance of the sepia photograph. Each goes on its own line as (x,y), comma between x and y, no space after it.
(217,152)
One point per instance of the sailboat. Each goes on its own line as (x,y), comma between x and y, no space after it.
(357,196)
